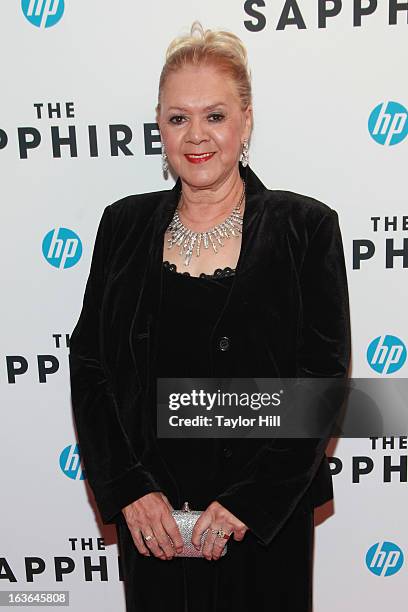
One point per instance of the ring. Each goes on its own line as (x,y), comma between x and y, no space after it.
(220,533)
(148,537)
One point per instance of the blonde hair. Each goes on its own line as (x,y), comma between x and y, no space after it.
(218,48)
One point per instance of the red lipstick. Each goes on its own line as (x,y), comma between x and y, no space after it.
(199,158)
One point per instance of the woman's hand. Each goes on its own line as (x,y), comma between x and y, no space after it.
(216,517)
(151,515)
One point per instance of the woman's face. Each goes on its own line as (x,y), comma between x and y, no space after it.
(200,113)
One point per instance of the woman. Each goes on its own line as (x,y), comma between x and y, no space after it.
(271,302)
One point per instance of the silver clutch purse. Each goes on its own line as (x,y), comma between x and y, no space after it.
(186,519)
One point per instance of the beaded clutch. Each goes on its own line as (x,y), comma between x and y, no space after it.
(186,519)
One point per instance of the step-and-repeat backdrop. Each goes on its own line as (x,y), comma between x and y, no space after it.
(77,132)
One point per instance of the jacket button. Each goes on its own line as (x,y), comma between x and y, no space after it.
(227,452)
(224,343)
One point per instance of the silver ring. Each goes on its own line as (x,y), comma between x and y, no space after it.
(148,537)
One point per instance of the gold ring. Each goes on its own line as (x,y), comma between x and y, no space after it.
(220,533)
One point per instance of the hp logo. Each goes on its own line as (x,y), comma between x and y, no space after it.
(386,354)
(70,463)
(62,248)
(384,558)
(43,13)
(388,123)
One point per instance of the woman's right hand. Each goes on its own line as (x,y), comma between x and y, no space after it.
(151,515)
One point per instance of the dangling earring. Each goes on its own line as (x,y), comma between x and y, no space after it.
(165,164)
(244,155)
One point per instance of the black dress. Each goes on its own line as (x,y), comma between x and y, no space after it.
(190,308)
(281,581)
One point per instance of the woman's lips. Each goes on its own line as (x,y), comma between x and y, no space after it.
(199,159)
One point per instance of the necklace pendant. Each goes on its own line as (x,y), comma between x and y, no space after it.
(198,245)
(213,244)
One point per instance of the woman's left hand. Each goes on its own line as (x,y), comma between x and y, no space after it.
(216,517)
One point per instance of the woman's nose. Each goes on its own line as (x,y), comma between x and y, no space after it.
(196,132)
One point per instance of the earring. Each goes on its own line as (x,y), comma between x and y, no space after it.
(244,155)
(165,165)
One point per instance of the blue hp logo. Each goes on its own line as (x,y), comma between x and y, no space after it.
(70,463)
(388,123)
(384,558)
(62,248)
(386,354)
(43,13)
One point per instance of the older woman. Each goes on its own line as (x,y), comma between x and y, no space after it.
(271,301)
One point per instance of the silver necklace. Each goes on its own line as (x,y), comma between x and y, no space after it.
(187,239)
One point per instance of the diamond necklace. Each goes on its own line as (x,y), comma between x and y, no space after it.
(187,239)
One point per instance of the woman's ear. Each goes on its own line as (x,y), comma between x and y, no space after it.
(157,109)
(248,122)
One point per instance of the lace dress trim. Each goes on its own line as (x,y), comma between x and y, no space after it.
(218,273)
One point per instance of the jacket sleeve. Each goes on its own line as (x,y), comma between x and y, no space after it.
(114,472)
(273,482)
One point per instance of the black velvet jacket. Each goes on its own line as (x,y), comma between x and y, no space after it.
(287,315)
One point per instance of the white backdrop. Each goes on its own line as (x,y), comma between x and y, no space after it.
(316,82)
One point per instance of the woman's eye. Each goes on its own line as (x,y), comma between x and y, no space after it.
(175,119)
(217,117)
